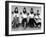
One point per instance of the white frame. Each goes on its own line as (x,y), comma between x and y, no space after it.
(23,32)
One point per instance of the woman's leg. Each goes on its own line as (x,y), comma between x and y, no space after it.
(30,22)
(35,24)
(23,22)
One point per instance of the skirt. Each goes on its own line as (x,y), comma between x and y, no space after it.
(31,22)
(24,21)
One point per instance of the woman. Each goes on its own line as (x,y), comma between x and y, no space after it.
(31,18)
(38,19)
(16,12)
(24,21)
(15,17)
(15,22)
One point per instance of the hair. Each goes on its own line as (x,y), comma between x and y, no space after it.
(31,11)
(35,14)
(24,11)
(37,10)
(15,10)
(31,8)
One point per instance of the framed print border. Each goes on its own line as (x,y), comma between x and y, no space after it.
(7,17)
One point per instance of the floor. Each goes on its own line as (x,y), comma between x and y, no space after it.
(20,28)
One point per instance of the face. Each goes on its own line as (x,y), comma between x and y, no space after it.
(31,9)
(16,9)
(24,10)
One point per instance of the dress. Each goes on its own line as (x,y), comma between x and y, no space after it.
(15,20)
(38,21)
(24,21)
(31,20)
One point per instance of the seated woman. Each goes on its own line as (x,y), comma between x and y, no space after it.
(24,21)
(15,22)
(38,19)
(15,18)
(16,12)
(31,18)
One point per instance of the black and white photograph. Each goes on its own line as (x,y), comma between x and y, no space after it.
(25,18)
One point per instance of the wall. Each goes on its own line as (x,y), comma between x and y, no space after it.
(2,19)
(28,8)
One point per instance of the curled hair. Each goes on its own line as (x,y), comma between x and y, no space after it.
(24,11)
(37,10)
(31,11)
(31,8)
(15,10)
